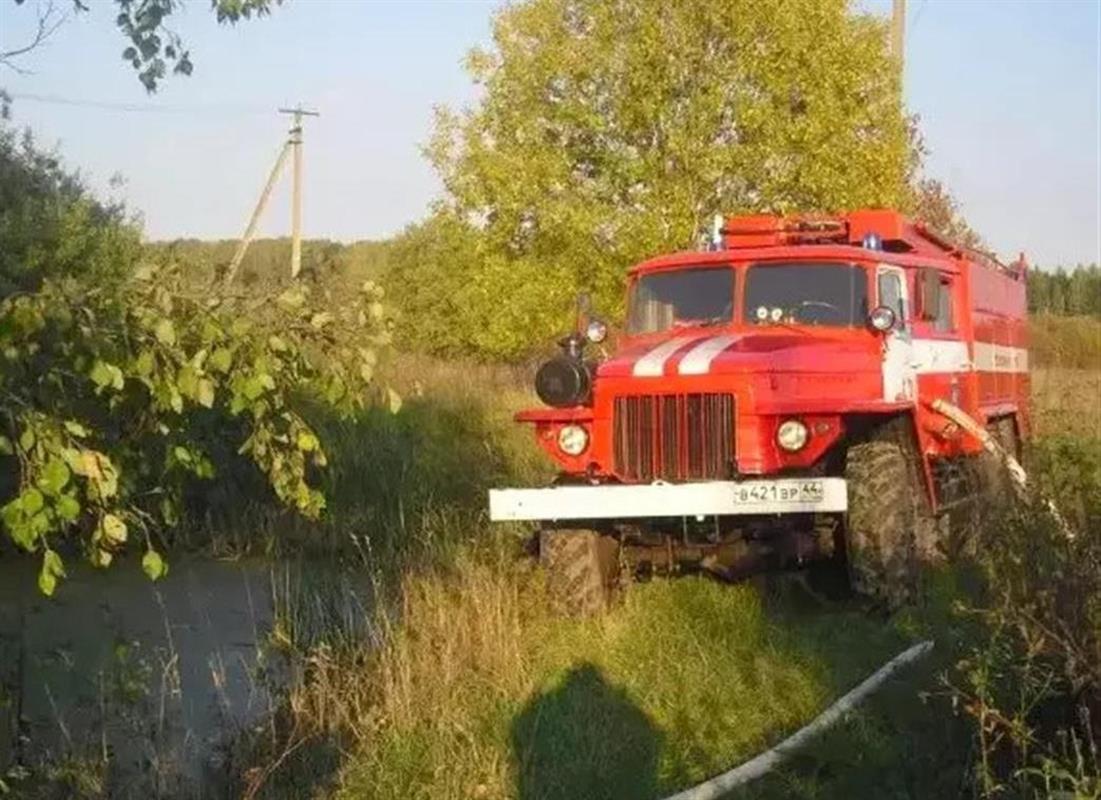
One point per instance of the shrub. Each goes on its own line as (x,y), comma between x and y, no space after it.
(1033,684)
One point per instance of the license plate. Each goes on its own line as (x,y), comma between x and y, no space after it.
(795,492)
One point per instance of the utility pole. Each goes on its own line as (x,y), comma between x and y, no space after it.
(250,231)
(294,142)
(898,32)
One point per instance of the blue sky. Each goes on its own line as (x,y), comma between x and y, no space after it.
(1008,94)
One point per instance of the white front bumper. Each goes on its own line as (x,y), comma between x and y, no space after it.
(636,501)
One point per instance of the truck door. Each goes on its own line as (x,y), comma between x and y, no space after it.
(899,380)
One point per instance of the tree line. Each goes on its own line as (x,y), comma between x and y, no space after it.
(1063,292)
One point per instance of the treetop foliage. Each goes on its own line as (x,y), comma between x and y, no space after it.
(50,226)
(612,131)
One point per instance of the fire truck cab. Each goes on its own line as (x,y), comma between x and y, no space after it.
(769,401)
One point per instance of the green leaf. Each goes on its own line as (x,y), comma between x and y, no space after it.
(101,374)
(169,512)
(112,529)
(104,375)
(55,476)
(307,442)
(76,429)
(253,388)
(26,439)
(6,448)
(220,360)
(204,393)
(145,363)
(31,501)
(52,569)
(68,508)
(165,332)
(187,381)
(153,565)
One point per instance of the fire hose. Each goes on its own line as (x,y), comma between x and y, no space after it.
(756,767)
(760,765)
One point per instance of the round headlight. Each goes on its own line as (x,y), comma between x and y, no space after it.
(596,331)
(572,440)
(791,435)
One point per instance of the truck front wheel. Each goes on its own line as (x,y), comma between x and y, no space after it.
(581,566)
(887,514)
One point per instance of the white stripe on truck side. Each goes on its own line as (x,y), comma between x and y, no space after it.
(991,357)
(940,355)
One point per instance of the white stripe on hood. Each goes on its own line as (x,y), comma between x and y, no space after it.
(697,361)
(652,365)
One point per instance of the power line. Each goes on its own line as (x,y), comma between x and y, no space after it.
(141,108)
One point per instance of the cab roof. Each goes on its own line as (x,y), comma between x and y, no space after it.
(868,235)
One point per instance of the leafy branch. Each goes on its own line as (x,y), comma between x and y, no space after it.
(119,397)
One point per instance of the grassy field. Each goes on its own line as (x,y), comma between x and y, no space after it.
(471,687)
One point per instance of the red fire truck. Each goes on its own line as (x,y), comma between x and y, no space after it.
(770,401)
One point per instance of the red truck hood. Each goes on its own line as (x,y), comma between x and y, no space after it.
(780,351)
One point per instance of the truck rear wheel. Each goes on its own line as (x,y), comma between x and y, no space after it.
(996,479)
(888,516)
(581,566)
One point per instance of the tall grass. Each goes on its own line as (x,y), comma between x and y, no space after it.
(1068,342)
(466,684)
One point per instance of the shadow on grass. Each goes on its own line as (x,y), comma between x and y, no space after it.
(739,669)
(584,739)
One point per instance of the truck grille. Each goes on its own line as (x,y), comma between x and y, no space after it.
(673,437)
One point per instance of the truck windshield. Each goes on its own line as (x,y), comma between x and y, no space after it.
(806,293)
(687,297)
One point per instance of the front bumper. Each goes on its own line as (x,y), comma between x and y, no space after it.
(647,501)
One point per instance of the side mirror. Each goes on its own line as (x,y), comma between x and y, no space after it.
(882,319)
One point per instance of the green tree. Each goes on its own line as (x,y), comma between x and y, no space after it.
(613,130)
(931,202)
(49,225)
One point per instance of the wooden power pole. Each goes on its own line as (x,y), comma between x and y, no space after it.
(898,32)
(294,142)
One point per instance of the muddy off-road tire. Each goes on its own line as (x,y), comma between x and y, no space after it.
(582,566)
(889,526)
